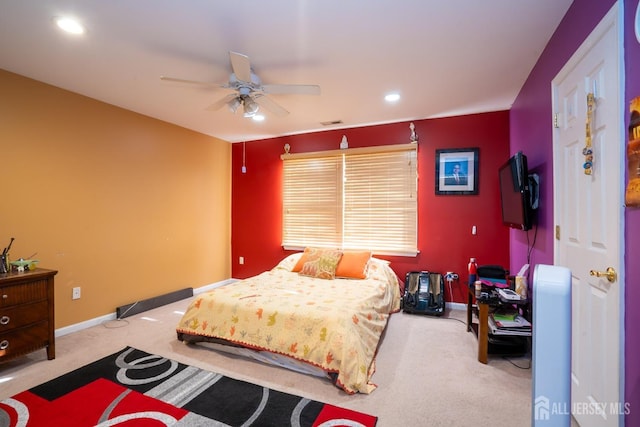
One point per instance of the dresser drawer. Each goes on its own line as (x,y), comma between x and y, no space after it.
(18,316)
(23,293)
(24,340)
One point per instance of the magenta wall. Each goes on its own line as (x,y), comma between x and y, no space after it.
(531,115)
(444,222)
(530,132)
(632,235)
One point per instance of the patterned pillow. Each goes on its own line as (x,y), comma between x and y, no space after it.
(321,263)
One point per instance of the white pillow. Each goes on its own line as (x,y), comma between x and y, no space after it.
(289,262)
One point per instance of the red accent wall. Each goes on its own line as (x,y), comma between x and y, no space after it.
(445,222)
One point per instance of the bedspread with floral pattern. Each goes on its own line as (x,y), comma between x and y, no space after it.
(333,324)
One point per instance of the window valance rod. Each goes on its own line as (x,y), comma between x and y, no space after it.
(360,150)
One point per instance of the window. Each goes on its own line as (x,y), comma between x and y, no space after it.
(362,198)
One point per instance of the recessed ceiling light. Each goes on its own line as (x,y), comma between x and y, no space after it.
(392,97)
(70,25)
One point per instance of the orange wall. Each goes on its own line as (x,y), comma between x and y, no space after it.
(444,222)
(122,205)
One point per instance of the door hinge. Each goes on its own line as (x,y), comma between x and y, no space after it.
(555,121)
(557,232)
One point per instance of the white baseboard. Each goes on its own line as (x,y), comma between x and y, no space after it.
(207,288)
(457,306)
(99,320)
(83,325)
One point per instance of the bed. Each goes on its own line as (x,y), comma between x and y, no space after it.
(327,312)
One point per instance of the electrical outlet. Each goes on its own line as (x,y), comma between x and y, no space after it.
(75,294)
(241,260)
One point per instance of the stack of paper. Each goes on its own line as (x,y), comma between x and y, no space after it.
(509,324)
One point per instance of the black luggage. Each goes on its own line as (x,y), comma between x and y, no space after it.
(423,293)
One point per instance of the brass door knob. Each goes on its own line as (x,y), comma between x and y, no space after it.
(610,274)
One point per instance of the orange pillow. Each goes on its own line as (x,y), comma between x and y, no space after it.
(353,264)
(304,258)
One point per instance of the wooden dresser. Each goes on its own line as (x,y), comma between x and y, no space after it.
(27,313)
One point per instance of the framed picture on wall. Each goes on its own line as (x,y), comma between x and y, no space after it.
(457,171)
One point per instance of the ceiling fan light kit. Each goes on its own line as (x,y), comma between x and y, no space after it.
(249,90)
(250,107)
(234,104)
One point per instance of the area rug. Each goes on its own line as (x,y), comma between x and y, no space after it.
(135,388)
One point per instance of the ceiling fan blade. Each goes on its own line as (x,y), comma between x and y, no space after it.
(269,104)
(221,102)
(241,66)
(292,89)
(193,82)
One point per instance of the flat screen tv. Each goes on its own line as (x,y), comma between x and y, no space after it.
(518,193)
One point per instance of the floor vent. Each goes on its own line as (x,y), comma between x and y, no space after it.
(331,123)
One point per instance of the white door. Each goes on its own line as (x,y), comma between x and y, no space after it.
(589,219)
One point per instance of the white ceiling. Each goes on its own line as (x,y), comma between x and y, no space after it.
(445,57)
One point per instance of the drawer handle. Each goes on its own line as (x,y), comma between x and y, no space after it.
(5,296)
(4,344)
(4,320)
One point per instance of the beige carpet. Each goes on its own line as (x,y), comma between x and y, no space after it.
(427,369)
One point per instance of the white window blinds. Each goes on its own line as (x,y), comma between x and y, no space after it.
(312,202)
(352,199)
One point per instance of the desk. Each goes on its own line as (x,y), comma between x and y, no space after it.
(481,329)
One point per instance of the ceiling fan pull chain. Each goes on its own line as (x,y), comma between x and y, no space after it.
(587,151)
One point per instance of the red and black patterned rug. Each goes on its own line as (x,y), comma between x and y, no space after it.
(134,388)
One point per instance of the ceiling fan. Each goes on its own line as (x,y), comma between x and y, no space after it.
(250,93)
